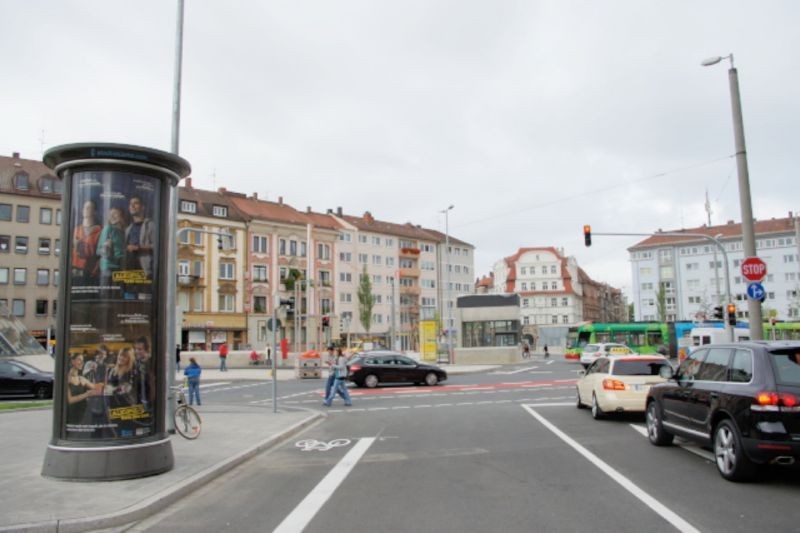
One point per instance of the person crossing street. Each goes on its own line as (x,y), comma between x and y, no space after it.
(340,381)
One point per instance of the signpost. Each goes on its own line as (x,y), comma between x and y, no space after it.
(754,268)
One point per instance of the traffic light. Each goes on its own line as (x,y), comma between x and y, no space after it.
(732,314)
(587,235)
(288,303)
(719,313)
(219,243)
(326,321)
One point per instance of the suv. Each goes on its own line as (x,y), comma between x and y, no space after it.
(742,399)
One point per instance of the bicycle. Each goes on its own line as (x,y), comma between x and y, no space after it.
(187,421)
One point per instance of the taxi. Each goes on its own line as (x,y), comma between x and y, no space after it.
(595,350)
(619,383)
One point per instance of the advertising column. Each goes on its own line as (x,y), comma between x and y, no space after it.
(111,357)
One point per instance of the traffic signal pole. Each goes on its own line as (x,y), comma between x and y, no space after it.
(728,327)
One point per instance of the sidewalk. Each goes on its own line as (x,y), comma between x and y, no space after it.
(231,435)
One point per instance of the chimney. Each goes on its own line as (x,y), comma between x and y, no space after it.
(15,155)
(730,222)
(280,200)
(222,190)
(368,217)
(255,196)
(188,183)
(339,211)
(330,211)
(308,209)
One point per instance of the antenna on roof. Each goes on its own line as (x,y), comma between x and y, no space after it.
(708,209)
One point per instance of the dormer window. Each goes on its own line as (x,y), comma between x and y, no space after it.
(188,207)
(220,211)
(21,181)
(47,184)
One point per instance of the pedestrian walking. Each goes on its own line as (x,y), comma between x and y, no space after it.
(546,353)
(330,360)
(223,357)
(526,351)
(192,374)
(340,381)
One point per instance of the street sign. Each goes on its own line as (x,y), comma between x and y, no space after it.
(754,268)
(755,291)
(271,325)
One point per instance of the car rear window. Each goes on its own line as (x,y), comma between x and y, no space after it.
(638,367)
(591,348)
(787,366)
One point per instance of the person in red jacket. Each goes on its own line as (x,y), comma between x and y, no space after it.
(223,357)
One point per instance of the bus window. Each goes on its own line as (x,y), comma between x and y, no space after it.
(654,338)
(602,336)
(637,339)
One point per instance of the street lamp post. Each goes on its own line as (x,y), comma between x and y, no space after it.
(748,232)
(446,291)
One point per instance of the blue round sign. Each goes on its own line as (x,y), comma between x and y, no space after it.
(755,291)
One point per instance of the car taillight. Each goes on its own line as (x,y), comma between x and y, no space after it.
(777,399)
(613,384)
(355,368)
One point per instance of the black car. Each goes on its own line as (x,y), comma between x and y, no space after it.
(741,399)
(18,379)
(368,369)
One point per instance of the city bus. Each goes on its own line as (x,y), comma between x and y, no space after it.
(641,337)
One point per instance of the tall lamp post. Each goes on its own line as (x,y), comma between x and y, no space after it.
(748,232)
(446,290)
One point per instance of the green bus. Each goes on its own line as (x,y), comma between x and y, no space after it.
(641,337)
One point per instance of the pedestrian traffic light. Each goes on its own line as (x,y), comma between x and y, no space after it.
(326,321)
(719,313)
(732,314)
(219,243)
(587,235)
(288,303)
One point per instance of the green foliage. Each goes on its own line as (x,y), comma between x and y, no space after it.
(661,303)
(366,300)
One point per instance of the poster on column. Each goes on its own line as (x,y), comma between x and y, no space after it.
(110,392)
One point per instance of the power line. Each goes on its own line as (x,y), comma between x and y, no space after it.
(597,191)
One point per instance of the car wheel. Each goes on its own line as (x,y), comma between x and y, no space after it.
(42,392)
(597,413)
(655,430)
(579,403)
(431,379)
(732,463)
(371,381)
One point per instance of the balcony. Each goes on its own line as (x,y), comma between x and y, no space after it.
(186,280)
(411,272)
(415,291)
(409,252)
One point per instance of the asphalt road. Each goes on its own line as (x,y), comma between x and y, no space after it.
(502,451)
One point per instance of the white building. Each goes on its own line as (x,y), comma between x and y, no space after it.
(692,273)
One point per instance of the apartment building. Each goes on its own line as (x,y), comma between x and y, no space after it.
(690,271)
(30,243)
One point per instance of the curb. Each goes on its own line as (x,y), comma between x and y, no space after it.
(166,497)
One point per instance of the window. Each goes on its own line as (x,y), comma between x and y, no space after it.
(533,285)
(18,308)
(197,268)
(741,370)
(524,286)
(302,248)
(5,243)
(363,258)
(376,241)
(522,270)
(552,269)
(4,275)
(525,302)
(389,242)
(346,237)
(43,276)
(45,215)
(325,305)
(377,259)
(292,247)
(553,302)
(260,273)
(41,307)
(47,185)
(259,304)
(5,212)
(197,301)
(21,181)
(20,276)
(389,261)
(554,319)
(553,285)
(565,319)
(377,279)
(345,297)
(564,302)
(23,213)
(715,366)
(219,211)
(324,251)
(788,258)
(346,257)
(282,246)
(44,246)
(21,245)
(225,270)
(58,216)
(345,277)
(428,283)
(56,278)
(226,302)
(260,244)
(325,278)
(362,239)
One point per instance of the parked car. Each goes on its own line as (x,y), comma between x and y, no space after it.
(368,369)
(741,399)
(618,383)
(593,351)
(18,379)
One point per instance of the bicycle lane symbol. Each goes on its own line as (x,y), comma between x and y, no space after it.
(309,445)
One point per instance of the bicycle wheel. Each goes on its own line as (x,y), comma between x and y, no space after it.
(187,422)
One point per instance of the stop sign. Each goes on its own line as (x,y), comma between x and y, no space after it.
(754,269)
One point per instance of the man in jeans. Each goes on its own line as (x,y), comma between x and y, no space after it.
(223,358)
(340,381)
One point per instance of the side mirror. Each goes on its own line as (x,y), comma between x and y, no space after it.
(666,372)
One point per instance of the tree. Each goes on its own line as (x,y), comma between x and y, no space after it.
(661,303)
(365,300)
(631,313)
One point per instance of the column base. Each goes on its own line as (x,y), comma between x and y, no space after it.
(108,463)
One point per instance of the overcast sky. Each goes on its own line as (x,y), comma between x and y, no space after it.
(531,117)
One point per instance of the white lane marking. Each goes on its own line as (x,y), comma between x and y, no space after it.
(549,363)
(313,502)
(689,448)
(679,523)
(478,388)
(218,384)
